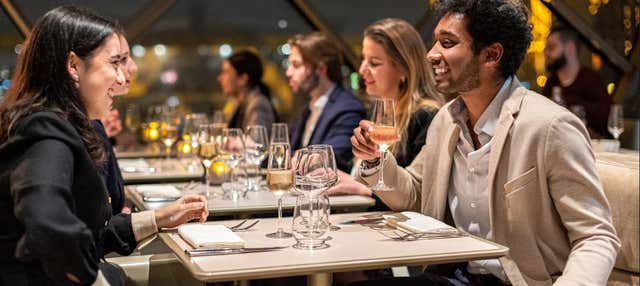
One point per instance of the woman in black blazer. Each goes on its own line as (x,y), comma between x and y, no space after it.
(54,208)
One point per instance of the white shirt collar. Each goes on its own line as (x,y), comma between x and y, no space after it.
(323,99)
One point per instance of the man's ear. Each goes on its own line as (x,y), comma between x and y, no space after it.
(492,55)
(74,66)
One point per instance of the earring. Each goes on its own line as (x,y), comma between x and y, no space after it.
(76,78)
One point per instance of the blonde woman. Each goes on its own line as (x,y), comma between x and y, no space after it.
(394,66)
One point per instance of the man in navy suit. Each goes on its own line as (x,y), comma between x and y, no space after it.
(315,64)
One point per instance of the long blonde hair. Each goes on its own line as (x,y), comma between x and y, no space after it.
(404,46)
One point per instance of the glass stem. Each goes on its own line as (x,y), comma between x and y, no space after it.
(206,179)
(312,224)
(279,223)
(381,177)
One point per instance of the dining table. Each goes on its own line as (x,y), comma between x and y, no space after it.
(352,247)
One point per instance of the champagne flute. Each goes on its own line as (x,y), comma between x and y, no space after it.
(192,124)
(206,151)
(256,150)
(615,124)
(384,134)
(279,133)
(279,180)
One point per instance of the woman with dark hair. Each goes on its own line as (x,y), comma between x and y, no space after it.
(241,79)
(54,205)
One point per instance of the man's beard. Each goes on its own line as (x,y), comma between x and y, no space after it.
(557,64)
(307,84)
(468,80)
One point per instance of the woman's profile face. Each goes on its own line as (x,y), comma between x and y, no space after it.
(378,71)
(99,76)
(229,79)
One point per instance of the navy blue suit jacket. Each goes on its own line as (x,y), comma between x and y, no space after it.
(340,116)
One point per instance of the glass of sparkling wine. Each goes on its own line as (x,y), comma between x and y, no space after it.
(384,134)
(206,151)
(169,133)
(279,180)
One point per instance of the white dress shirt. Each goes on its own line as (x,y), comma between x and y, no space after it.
(468,189)
(316,110)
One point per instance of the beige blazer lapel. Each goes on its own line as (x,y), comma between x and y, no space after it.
(441,190)
(509,111)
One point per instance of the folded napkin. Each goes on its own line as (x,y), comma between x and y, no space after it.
(210,236)
(159,191)
(418,223)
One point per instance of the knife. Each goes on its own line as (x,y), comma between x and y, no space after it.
(227,251)
(363,221)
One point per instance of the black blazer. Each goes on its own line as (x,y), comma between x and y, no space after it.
(111,171)
(54,208)
(340,116)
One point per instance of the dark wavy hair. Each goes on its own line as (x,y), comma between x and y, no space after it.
(41,81)
(495,21)
(247,62)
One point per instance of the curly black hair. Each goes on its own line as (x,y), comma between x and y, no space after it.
(490,21)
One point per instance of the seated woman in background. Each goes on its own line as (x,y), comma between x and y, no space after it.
(55,214)
(241,79)
(394,66)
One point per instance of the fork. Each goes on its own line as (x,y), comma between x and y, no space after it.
(396,235)
(237,228)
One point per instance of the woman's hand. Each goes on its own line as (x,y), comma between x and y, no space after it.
(362,145)
(184,209)
(348,186)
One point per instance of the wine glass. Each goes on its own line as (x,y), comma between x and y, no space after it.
(615,124)
(192,124)
(279,180)
(206,151)
(312,176)
(255,139)
(332,169)
(384,134)
(279,133)
(232,150)
(169,131)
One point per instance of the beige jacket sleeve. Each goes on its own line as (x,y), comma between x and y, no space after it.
(407,183)
(581,203)
(143,224)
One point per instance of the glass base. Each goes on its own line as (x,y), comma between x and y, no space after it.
(320,244)
(279,234)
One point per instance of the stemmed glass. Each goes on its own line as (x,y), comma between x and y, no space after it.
(256,143)
(332,173)
(384,134)
(169,131)
(206,151)
(615,125)
(192,124)
(232,150)
(279,180)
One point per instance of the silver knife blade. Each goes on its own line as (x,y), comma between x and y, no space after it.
(227,251)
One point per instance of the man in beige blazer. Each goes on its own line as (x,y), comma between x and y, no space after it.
(500,161)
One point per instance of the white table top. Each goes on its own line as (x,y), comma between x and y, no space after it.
(353,247)
(171,170)
(254,202)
